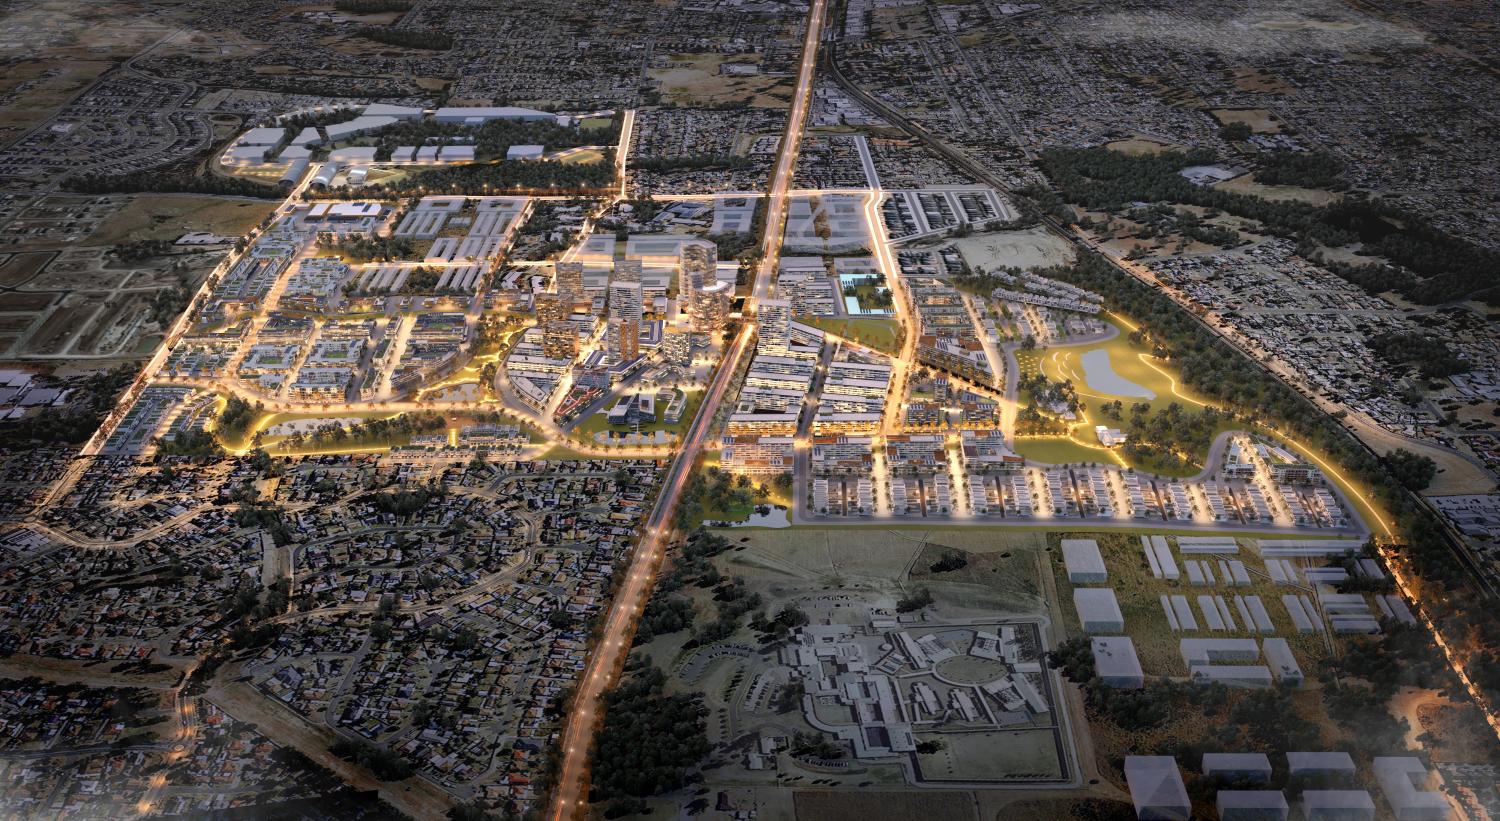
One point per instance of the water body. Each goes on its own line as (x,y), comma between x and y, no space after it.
(1103,379)
(776,518)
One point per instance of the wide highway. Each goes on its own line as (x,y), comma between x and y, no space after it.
(570,795)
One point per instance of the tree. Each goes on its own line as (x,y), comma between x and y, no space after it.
(381,762)
(1413,471)
(649,740)
(1235,132)
(559,619)
(919,598)
(791,616)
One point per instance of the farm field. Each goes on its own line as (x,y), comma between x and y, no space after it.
(16,269)
(167,217)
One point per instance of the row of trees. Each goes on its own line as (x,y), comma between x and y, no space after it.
(368,431)
(488,178)
(407,38)
(1213,369)
(1449,267)
(155,181)
(357,247)
(1305,169)
(692,162)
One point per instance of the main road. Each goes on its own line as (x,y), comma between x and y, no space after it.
(570,794)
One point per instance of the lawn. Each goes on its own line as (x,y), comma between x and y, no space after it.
(563,453)
(594,123)
(269,420)
(1139,594)
(1133,368)
(739,513)
(586,157)
(599,422)
(1130,361)
(880,334)
(1060,450)
(695,80)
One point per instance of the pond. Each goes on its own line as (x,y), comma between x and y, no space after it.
(774,516)
(1102,378)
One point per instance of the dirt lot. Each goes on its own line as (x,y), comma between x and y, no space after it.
(167,217)
(18,301)
(1137,147)
(54,334)
(1031,248)
(22,267)
(694,80)
(1260,120)
(1257,79)
(63,671)
(416,796)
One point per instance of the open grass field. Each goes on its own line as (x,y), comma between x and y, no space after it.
(168,216)
(694,80)
(1260,120)
(992,755)
(842,805)
(1246,184)
(880,334)
(599,422)
(585,157)
(1002,574)
(563,453)
(1115,369)
(1137,146)
(1063,450)
(1139,595)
